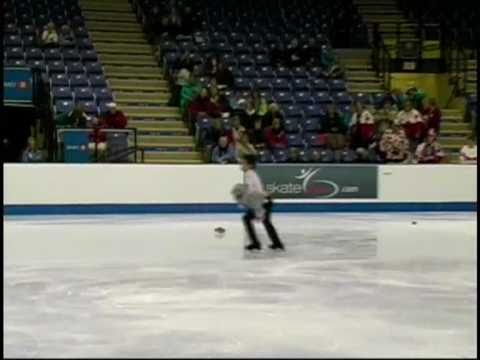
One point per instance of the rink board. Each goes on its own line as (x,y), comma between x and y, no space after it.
(128,189)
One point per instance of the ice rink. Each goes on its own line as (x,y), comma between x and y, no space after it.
(349,285)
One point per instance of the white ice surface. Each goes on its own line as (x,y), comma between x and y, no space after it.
(349,285)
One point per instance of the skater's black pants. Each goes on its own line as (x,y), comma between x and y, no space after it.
(248,222)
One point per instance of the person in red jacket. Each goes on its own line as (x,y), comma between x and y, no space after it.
(432,116)
(115,119)
(275,135)
(203,104)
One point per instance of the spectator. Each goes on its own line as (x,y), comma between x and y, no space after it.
(362,127)
(31,153)
(211,67)
(261,105)
(416,96)
(243,146)
(329,63)
(275,135)
(432,116)
(189,92)
(273,112)
(250,114)
(412,122)
(181,79)
(74,119)
(66,37)
(293,155)
(346,155)
(394,145)
(50,36)
(203,104)
(98,139)
(224,152)
(114,118)
(429,152)
(224,76)
(385,117)
(398,98)
(334,128)
(257,135)
(468,153)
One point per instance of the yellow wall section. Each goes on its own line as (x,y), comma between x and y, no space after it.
(436,85)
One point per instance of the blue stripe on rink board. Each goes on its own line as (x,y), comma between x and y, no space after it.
(72,209)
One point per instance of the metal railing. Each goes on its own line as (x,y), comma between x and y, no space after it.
(117,145)
(381,58)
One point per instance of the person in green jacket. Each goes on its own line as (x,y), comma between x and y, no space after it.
(416,96)
(73,119)
(189,91)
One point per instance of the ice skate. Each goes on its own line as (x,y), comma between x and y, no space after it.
(253,247)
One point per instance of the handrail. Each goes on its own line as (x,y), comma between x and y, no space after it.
(381,59)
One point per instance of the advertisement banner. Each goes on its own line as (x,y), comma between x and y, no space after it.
(320,181)
(17,85)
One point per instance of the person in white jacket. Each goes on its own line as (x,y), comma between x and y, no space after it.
(258,204)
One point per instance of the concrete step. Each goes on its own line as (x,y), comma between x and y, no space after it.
(166,140)
(126,48)
(363,86)
(173,161)
(454,126)
(100,15)
(115,37)
(367,73)
(359,78)
(152,111)
(156,124)
(113,26)
(117,7)
(162,132)
(138,85)
(142,96)
(452,140)
(463,133)
(358,67)
(157,156)
(152,73)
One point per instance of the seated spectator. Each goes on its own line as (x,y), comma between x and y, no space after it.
(293,155)
(468,153)
(189,92)
(243,146)
(50,36)
(385,117)
(362,127)
(275,135)
(257,135)
(394,146)
(261,105)
(346,155)
(398,98)
(73,119)
(334,128)
(203,104)
(273,112)
(250,114)
(31,153)
(114,118)
(329,63)
(66,37)
(98,139)
(211,66)
(432,116)
(223,75)
(416,96)
(224,152)
(412,122)
(429,152)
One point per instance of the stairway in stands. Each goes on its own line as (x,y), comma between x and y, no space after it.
(137,82)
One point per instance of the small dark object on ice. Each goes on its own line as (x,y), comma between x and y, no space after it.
(414,223)
(220,230)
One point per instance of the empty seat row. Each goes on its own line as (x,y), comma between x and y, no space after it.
(90,107)
(54,54)
(77,80)
(97,95)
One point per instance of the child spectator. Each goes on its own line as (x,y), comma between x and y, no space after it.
(31,153)
(334,128)
(98,139)
(412,122)
(468,153)
(273,112)
(224,152)
(189,92)
(275,135)
(398,98)
(429,152)
(257,135)
(385,117)
(362,127)
(329,63)
(294,155)
(416,96)
(394,145)
(50,36)
(432,116)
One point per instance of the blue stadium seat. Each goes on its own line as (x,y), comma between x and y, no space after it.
(292,111)
(71,55)
(283,72)
(265,156)
(319,85)
(90,107)
(262,84)
(363,98)
(303,98)
(301,85)
(311,125)
(249,72)
(62,93)
(52,55)
(103,95)
(291,125)
(342,98)
(242,84)
(56,67)
(283,98)
(59,80)
(83,94)
(34,54)
(37,64)
(78,80)
(280,155)
(75,68)
(266,72)
(295,140)
(97,81)
(322,98)
(15,53)
(88,55)
(314,111)
(93,68)
(281,85)
(13,41)
(63,106)
(337,85)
